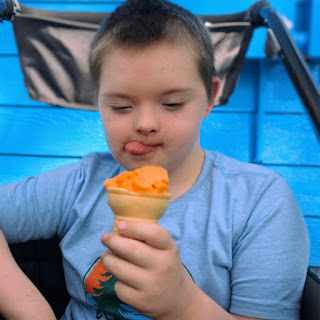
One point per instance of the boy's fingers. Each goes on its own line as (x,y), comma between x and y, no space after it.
(128,249)
(122,269)
(152,234)
(138,241)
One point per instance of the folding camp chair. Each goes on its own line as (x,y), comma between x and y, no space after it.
(41,31)
(310,304)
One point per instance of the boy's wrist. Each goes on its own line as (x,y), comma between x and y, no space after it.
(197,305)
(186,309)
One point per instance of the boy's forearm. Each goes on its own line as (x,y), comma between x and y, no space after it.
(19,298)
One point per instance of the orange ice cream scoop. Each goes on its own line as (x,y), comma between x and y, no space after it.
(148,179)
(139,195)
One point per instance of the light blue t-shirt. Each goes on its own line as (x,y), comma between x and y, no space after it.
(239,232)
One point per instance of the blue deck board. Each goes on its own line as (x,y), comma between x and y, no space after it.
(50,132)
(303,182)
(314,45)
(13,91)
(16,168)
(290,139)
(8,44)
(229,133)
(279,94)
(244,96)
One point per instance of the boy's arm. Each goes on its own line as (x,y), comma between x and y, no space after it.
(19,298)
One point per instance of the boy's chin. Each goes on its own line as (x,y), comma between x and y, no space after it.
(139,162)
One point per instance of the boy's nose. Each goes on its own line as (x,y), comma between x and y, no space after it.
(146,120)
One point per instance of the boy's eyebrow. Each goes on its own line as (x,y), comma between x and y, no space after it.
(126,96)
(115,95)
(177,90)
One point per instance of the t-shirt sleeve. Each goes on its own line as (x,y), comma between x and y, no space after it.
(38,207)
(270,255)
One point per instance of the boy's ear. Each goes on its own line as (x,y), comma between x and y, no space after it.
(215,83)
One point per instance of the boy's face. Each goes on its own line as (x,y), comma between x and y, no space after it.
(152,103)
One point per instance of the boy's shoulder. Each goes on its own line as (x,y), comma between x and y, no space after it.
(247,177)
(249,180)
(232,167)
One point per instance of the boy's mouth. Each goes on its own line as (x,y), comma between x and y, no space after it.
(139,148)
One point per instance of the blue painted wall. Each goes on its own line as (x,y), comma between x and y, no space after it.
(264,122)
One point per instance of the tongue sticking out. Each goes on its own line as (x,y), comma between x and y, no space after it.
(135,147)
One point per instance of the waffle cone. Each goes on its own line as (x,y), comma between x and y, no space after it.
(128,205)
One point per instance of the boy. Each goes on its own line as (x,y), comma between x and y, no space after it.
(227,247)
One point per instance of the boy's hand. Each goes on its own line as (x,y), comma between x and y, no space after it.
(151,277)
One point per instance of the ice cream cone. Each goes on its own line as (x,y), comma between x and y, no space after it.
(129,205)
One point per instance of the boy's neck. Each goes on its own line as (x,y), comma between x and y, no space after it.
(182,179)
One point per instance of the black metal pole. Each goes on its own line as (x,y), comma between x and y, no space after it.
(293,62)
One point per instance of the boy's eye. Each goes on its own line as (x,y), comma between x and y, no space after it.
(120,108)
(174,105)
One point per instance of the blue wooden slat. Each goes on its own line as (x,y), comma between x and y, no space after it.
(13,91)
(7,40)
(243,99)
(256,48)
(313,228)
(50,131)
(228,133)
(305,184)
(290,139)
(314,44)
(279,94)
(16,168)
(232,6)
(260,117)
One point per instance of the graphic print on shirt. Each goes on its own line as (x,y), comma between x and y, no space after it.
(100,294)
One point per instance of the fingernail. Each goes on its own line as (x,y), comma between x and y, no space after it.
(105,237)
